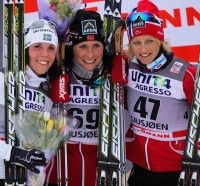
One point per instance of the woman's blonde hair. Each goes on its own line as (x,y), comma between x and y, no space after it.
(165,45)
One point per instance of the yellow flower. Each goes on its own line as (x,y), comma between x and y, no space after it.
(60,124)
(46,116)
(50,124)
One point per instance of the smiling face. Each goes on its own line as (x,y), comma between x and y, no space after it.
(145,48)
(41,57)
(88,54)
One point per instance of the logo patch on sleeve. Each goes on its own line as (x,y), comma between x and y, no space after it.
(176,67)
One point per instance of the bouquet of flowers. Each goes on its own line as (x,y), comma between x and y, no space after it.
(60,12)
(64,8)
(44,132)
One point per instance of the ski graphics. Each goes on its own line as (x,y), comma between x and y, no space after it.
(191,158)
(14,80)
(112,14)
(110,155)
(1,33)
(20,75)
(111,147)
(9,77)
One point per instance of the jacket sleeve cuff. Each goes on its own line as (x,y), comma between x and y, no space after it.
(5,150)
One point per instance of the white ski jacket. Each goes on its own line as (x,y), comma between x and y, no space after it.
(37,99)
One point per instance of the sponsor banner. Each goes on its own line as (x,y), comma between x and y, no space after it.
(31,11)
(181,21)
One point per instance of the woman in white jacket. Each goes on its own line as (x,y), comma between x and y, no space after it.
(41,43)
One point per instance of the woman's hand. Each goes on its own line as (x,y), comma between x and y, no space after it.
(28,158)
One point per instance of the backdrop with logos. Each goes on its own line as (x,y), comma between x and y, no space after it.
(181,22)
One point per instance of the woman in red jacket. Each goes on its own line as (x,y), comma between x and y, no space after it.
(87,62)
(159,91)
